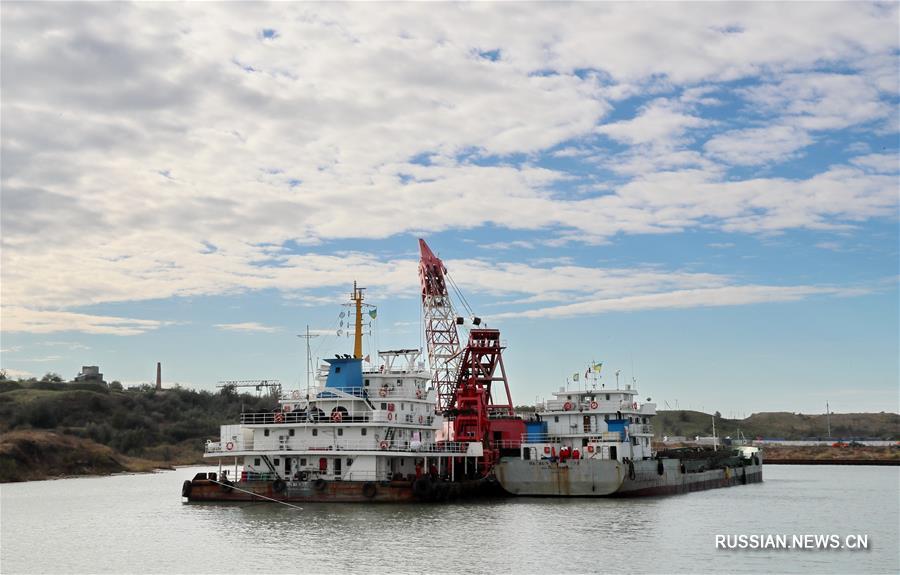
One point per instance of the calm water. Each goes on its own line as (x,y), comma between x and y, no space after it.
(137,524)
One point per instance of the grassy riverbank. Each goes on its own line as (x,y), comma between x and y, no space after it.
(52,429)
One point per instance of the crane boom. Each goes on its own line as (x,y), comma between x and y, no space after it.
(440,325)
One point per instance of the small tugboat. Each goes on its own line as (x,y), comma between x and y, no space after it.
(597,443)
(360,435)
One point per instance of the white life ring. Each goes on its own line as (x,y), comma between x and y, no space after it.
(384,445)
(229,446)
(295,394)
(594,405)
(567,406)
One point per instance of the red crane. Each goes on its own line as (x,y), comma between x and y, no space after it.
(465,380)
(440,325)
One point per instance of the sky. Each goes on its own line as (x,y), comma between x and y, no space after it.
(702,196)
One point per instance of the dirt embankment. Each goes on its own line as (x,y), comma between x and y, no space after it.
(830,453)
(30,454)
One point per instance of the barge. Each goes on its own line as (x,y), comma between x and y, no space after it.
(598,443)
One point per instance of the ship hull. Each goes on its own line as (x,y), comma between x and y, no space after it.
(610,478)
(421,490)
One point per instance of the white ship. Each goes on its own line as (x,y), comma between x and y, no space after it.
(599,443)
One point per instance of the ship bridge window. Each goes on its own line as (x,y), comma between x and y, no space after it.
(256,462)
(302,461)
(399,382)
(266,432)
(367,383)
(607,397)
(340,431)
(363,431)
(315,432)
(556,419)
(384,406)
(277,462)
(291,432)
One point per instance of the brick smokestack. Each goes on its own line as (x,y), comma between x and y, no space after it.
(158,375)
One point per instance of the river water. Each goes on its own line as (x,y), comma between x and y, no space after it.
(138,524)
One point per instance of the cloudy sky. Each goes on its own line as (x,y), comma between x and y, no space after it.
(704,196)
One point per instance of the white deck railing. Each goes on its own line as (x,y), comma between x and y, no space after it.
(289,445)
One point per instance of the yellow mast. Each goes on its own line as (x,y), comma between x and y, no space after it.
(357,298)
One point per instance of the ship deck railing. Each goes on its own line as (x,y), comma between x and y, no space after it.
(601,437)
(294,446)
(603,406)
(347,416)
(372,393)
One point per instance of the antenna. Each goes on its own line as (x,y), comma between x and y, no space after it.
(307,337)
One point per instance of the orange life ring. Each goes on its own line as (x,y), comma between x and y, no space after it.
(279,417)
(546,449)
(382,392)
(390,416)
(384,445)
(421,419)
(229,446)
(594,405)
(590,448)
(567,406)
(336,417)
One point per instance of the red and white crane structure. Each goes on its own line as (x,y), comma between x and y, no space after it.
(465,378)
(440,319)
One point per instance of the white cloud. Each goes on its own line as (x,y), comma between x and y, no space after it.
(878,163)
(153,151)
(755,146)
(820,101)
(704,297)
(658,123)
(19,319)
(250,326)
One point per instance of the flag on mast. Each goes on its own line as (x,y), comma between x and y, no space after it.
(575,376)
(598,367)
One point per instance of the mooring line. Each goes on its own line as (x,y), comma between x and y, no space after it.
(256,494)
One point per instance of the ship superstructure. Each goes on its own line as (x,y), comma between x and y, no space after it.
(361,433)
